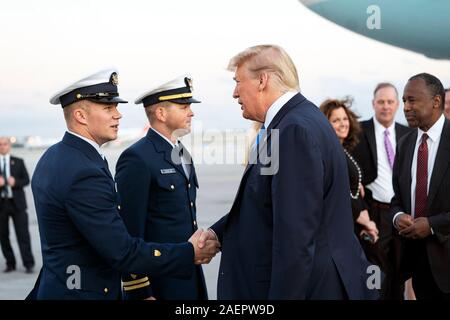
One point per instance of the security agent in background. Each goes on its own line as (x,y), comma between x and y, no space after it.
(13,178)
(158,187)
(85,244)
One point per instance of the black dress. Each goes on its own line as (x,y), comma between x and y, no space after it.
(358,204)
(372,251)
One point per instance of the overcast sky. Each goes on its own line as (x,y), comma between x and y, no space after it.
(47,45)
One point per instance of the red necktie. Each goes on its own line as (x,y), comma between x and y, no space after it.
(422,178)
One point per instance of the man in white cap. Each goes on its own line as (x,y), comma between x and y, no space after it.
(85,245)
(157,184)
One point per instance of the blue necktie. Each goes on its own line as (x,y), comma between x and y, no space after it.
(260,135)
(4,189)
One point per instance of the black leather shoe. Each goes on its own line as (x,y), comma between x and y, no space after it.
(29,270)
(9,269)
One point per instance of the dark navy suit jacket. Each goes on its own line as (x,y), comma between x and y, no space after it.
(80,227)
(18,170)
(158,205)
(290,235)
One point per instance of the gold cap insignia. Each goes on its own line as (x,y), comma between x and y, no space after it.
(188,82)
(114,79)
(133,276)
(157,253)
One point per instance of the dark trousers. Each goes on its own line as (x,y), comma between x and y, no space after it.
(423,282)
(20,219)
(389,245)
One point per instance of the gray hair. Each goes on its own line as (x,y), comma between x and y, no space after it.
(383,85)
(151,109)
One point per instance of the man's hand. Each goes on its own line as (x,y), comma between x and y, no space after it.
(206,235)
(208,249)
(11,181)
(2,181)
(419,229)
(403,221)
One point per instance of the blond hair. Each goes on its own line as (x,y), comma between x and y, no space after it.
(271,59)
(68,110)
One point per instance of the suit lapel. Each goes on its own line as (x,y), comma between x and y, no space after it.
(12,167)
(441,162)
(288,106)
(162,146)
(398,132)
(370,134)
(292,103)
(409,154)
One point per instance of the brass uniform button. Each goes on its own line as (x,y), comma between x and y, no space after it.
(157,253)
(172,186)
(192,204)
(119,207)
(105,290)
(195,223)
(189,185)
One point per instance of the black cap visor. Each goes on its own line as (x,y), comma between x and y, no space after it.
(185,101)
(105,100)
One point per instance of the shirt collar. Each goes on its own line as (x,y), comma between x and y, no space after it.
(276,106)
(92,143)
(168,140)
(435,131)
(6,157)
(380,128)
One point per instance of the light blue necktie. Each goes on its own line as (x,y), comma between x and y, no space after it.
(260,135)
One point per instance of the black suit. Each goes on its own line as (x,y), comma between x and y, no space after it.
(434,249)
(16,208)
(366,150)
(386,252)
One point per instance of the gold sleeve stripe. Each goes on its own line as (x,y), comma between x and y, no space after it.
(175,96)
(137,286)
(133,282)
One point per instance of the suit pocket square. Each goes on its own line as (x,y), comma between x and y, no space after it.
(168,171)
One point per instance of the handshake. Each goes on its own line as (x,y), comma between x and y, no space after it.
(206,245)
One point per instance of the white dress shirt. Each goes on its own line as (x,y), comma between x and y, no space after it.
(270,114)
(434,138)
(6,158)
(276,106)
(381,187)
